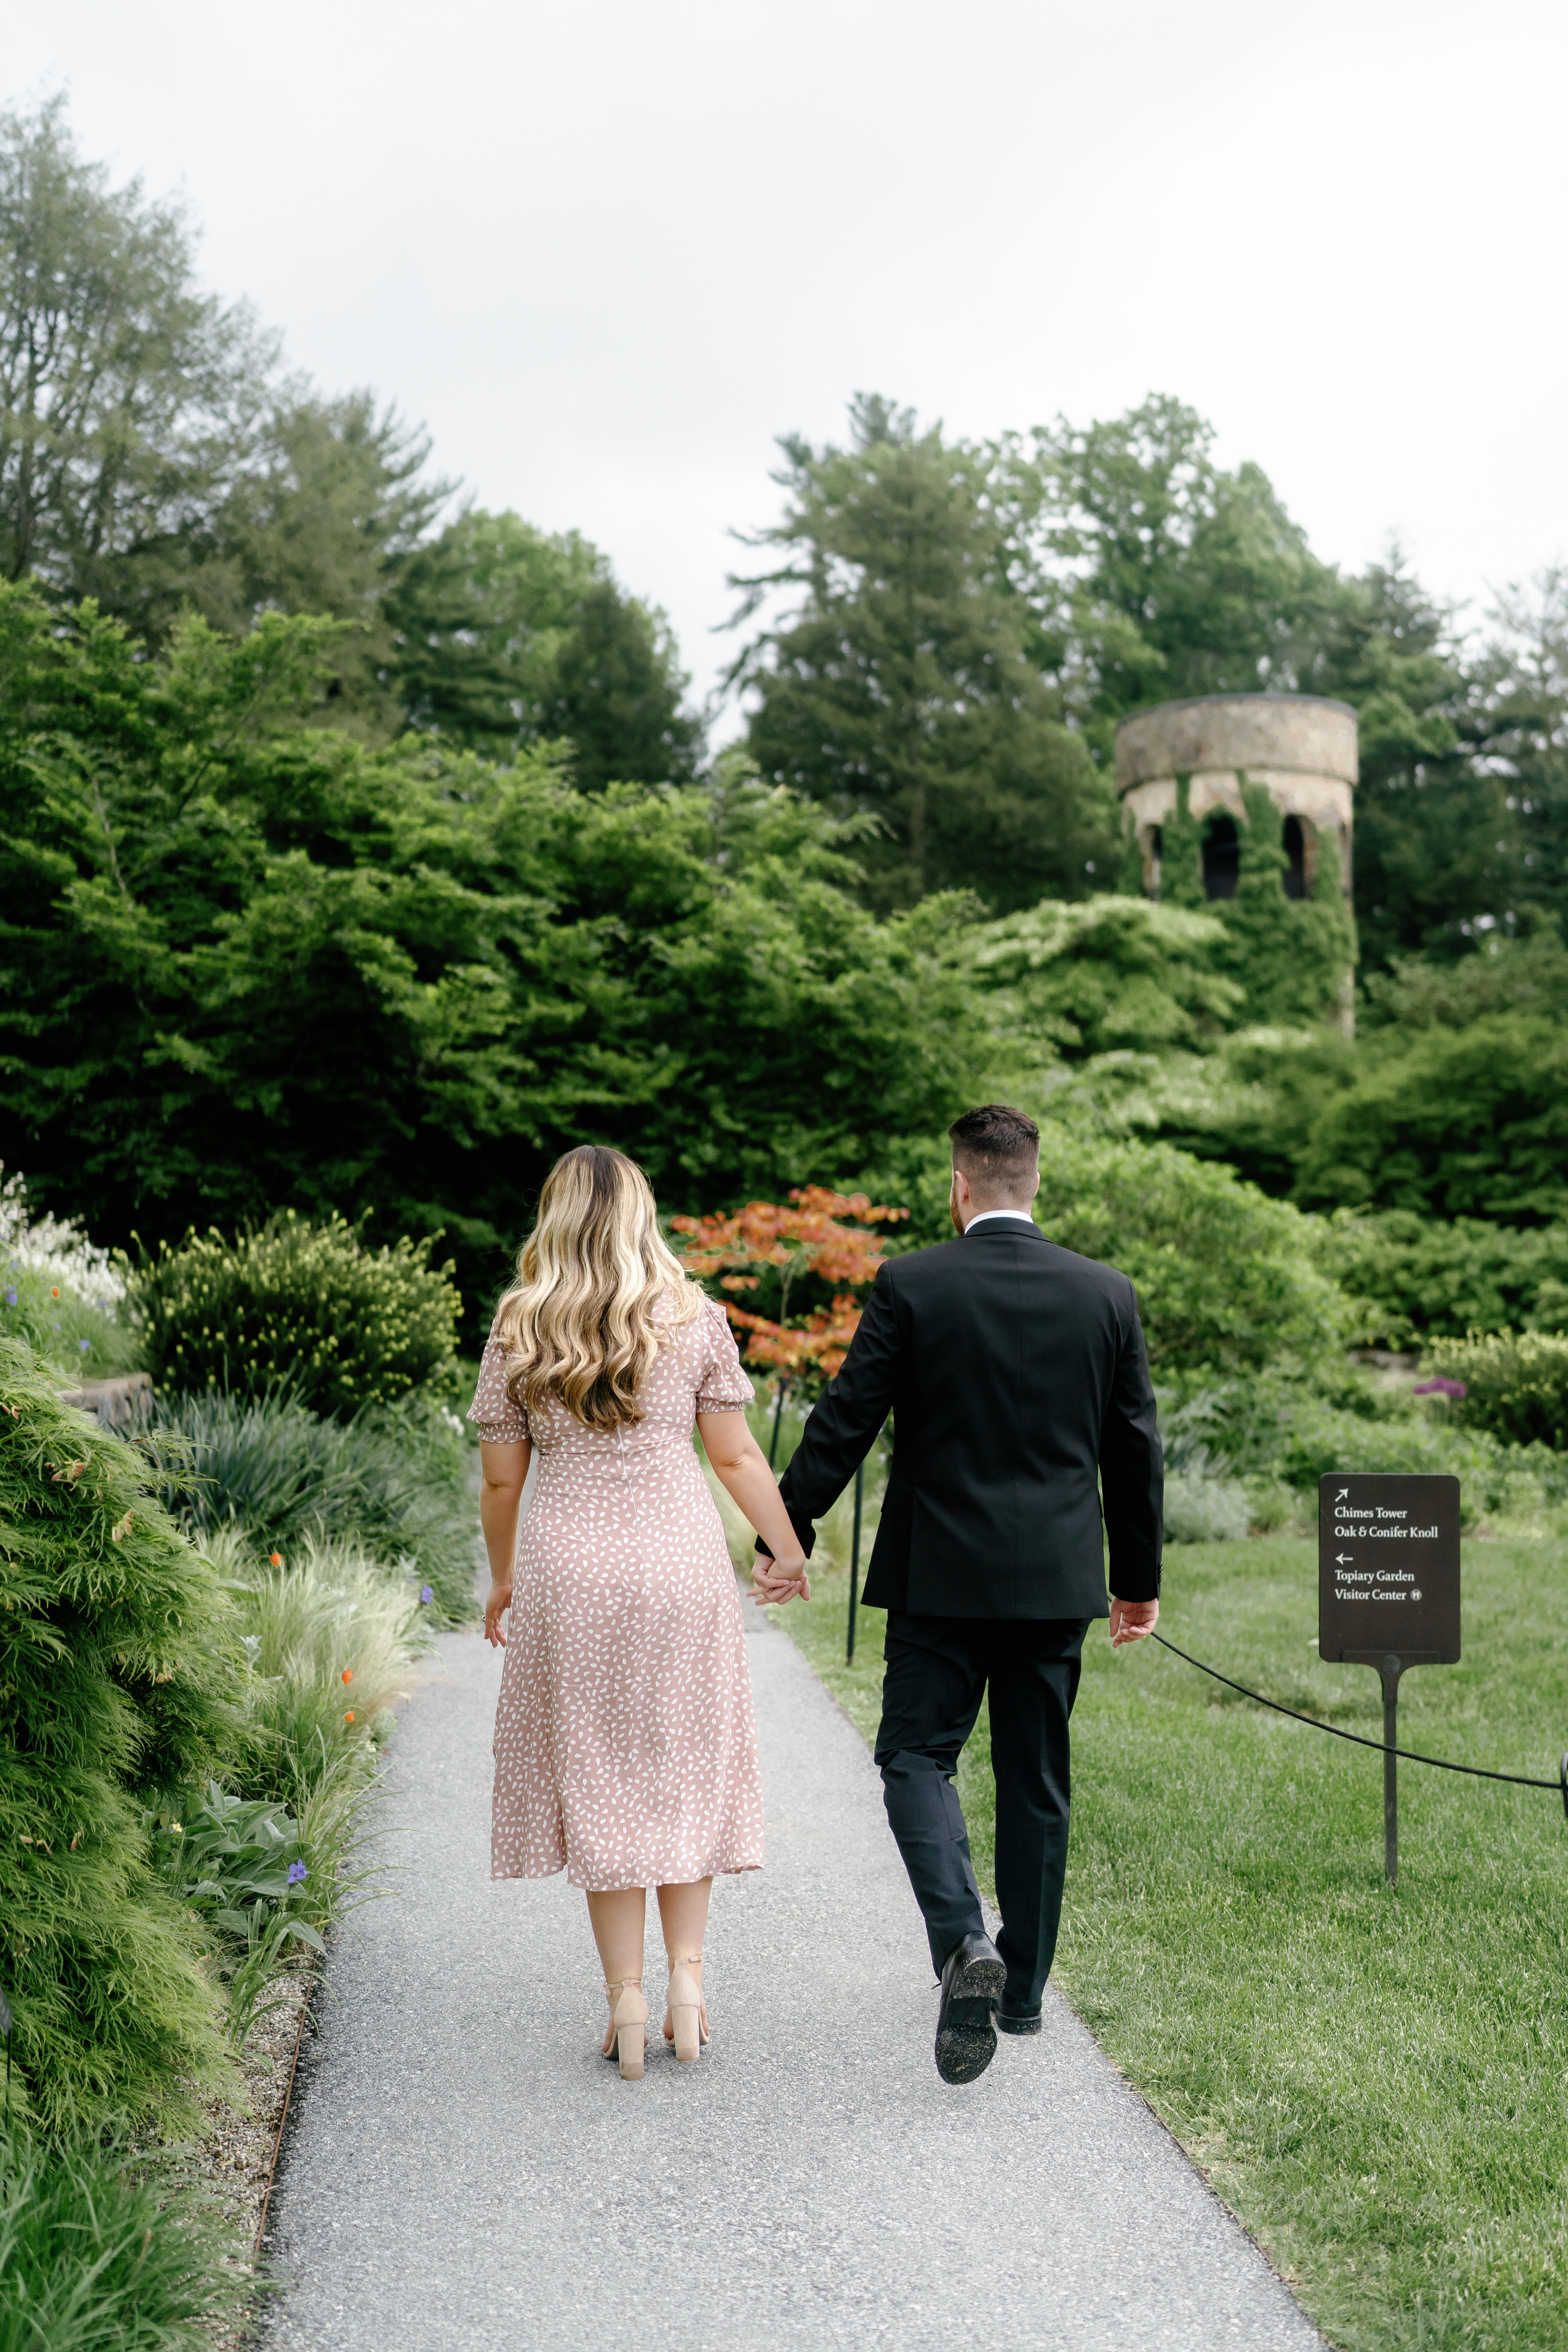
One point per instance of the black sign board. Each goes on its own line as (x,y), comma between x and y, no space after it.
(1388,1569)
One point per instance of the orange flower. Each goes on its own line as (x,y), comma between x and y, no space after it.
(348,1675)
(53,1293)
(274,1559)
(350,1715)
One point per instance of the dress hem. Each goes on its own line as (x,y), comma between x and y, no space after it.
(714,1870)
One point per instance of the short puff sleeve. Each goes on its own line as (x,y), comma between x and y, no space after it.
(497,1420)
(723,1386)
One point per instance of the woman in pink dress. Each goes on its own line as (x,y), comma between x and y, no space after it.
(626,1747)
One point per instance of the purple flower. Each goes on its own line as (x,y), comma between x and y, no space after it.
(85,1345)
(297,1871)
(11,1296)
(1440,1387)
(425,1596)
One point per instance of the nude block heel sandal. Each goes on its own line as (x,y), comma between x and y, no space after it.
(629,2016)
(686,2009)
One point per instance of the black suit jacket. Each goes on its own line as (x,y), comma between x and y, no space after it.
(1018,1384)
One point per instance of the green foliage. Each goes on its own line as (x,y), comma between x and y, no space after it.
(114,1639)
(1413,1277)
(246,968)
(1499,975)
(506,636)
(1111,973)
(105,2249)
(907,681)
(1516,1383)
(1291,959)
(392,1482)
(1226,1279)
(242,1866)
(1454,1123)
(296,1306)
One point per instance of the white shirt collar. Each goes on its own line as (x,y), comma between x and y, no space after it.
(1022,1214)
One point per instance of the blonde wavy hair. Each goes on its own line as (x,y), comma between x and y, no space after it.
(580,1330)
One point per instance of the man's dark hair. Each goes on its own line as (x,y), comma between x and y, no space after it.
(996,1148)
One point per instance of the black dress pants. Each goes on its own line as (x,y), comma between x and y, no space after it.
(938,1669)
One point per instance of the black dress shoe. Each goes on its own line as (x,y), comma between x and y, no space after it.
(972,1984)
(1020,2021)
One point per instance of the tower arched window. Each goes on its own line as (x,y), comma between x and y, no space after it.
(1221,858)
(1296,878)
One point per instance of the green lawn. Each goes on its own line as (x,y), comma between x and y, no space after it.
(1375,2080)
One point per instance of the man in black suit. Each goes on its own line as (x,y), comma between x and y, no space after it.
(1018,1381)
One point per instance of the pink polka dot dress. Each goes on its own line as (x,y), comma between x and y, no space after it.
(625,1745)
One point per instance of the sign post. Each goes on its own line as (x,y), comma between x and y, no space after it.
(1388,1592)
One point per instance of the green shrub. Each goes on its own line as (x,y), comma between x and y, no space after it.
(1415,1276)
(115,1641)
(1516,1383)
(1277,1431)
(1451,1123)
(1226,1278)
(394,1481)
(102,2250)
(297,1306)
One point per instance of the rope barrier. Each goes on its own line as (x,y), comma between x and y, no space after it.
(1442,1764)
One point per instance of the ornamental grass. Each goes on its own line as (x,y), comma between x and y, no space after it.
(106,2249)
(392,1483)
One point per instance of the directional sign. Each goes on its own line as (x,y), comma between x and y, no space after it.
(1388,1568)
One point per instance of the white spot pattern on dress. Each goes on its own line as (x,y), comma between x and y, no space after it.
(625,1745)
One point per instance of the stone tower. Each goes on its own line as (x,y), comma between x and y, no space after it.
(1301,747)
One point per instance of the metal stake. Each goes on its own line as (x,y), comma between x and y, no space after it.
(778,1416)
(1390,1671)
(854,1559)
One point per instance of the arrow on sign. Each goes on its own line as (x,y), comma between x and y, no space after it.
(1343,1495)
(1343,1558)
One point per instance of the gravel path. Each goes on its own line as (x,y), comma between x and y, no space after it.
(464,2171)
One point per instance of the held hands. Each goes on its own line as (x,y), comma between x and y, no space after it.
(1132,1621)
(778,1581)
(497,1602)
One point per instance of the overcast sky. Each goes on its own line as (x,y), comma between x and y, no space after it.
(608,251)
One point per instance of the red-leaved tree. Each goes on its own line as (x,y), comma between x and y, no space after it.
(821,1233)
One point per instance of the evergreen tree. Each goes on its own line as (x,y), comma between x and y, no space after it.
(1435,852)
(506,637)
(1527,715)
(907,682)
